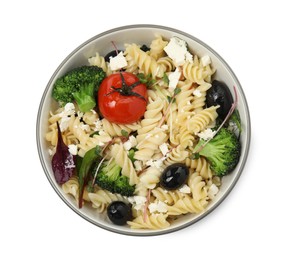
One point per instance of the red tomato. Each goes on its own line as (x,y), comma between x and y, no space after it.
(122,98)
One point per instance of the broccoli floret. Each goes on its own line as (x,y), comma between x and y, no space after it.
(110,178)
(80,85)
(123,187)
(222,151)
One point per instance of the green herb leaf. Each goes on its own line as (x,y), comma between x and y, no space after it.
(177,91)
(165,79)
(124,133)
(147,80)
(94,133)
(195,156)
(89,159)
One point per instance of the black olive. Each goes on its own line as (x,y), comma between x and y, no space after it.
(219,94)
(144,48)
(111,54)
(174,176)
(119,212)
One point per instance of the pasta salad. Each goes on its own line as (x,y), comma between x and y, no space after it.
(137,133)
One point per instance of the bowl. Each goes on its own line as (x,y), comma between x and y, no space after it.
(140,34)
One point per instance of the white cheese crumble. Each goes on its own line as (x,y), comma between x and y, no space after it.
(207,134)
(197,93)
(130,143)
(206,60)
(85,127)
(174,79)
(176,49)
(156,163)
(118,62)
(213,190)
(159,206)
(69,110)
(138,202)
(138,165)
(64,123)
(164,148)
(98,124)
(185,189)
(72,148)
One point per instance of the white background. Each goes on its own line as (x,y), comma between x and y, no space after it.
(37,35)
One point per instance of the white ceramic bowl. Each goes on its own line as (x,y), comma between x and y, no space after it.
(140,34)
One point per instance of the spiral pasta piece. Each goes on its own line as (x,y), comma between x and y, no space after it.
(197,186)
(196,72)
(122,159)
(177,155)
(101,198)
(99,61)
(72,187)
(150,145)
(199,99)
(153,221)
(168,197)
(152,116)
(186,205)
(167,63)
(200,165)
(201,120)
(116,129)
(150,177)
(157,47)
(145,63)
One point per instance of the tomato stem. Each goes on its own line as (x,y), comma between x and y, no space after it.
(126,90)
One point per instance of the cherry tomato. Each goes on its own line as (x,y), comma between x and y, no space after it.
(122,98)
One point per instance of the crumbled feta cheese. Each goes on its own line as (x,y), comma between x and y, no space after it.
(189,57)
(197,93)
(176,49)
(213,190)
(156,163)
(64,123)
(127,145)
(173,79)
(206,60)
(80,114)
(98,124)
(138,202)
(118,62)
(207,134)
(159,206)
(138,165)
(69,108)
(185,189)
(101,143)
(72,148)
(102,132)
(164,148)
(85,127)
(130,143)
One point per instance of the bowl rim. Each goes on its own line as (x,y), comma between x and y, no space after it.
(145,232)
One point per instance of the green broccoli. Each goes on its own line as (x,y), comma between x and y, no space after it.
(110,178)
(80,85)
(222,151)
